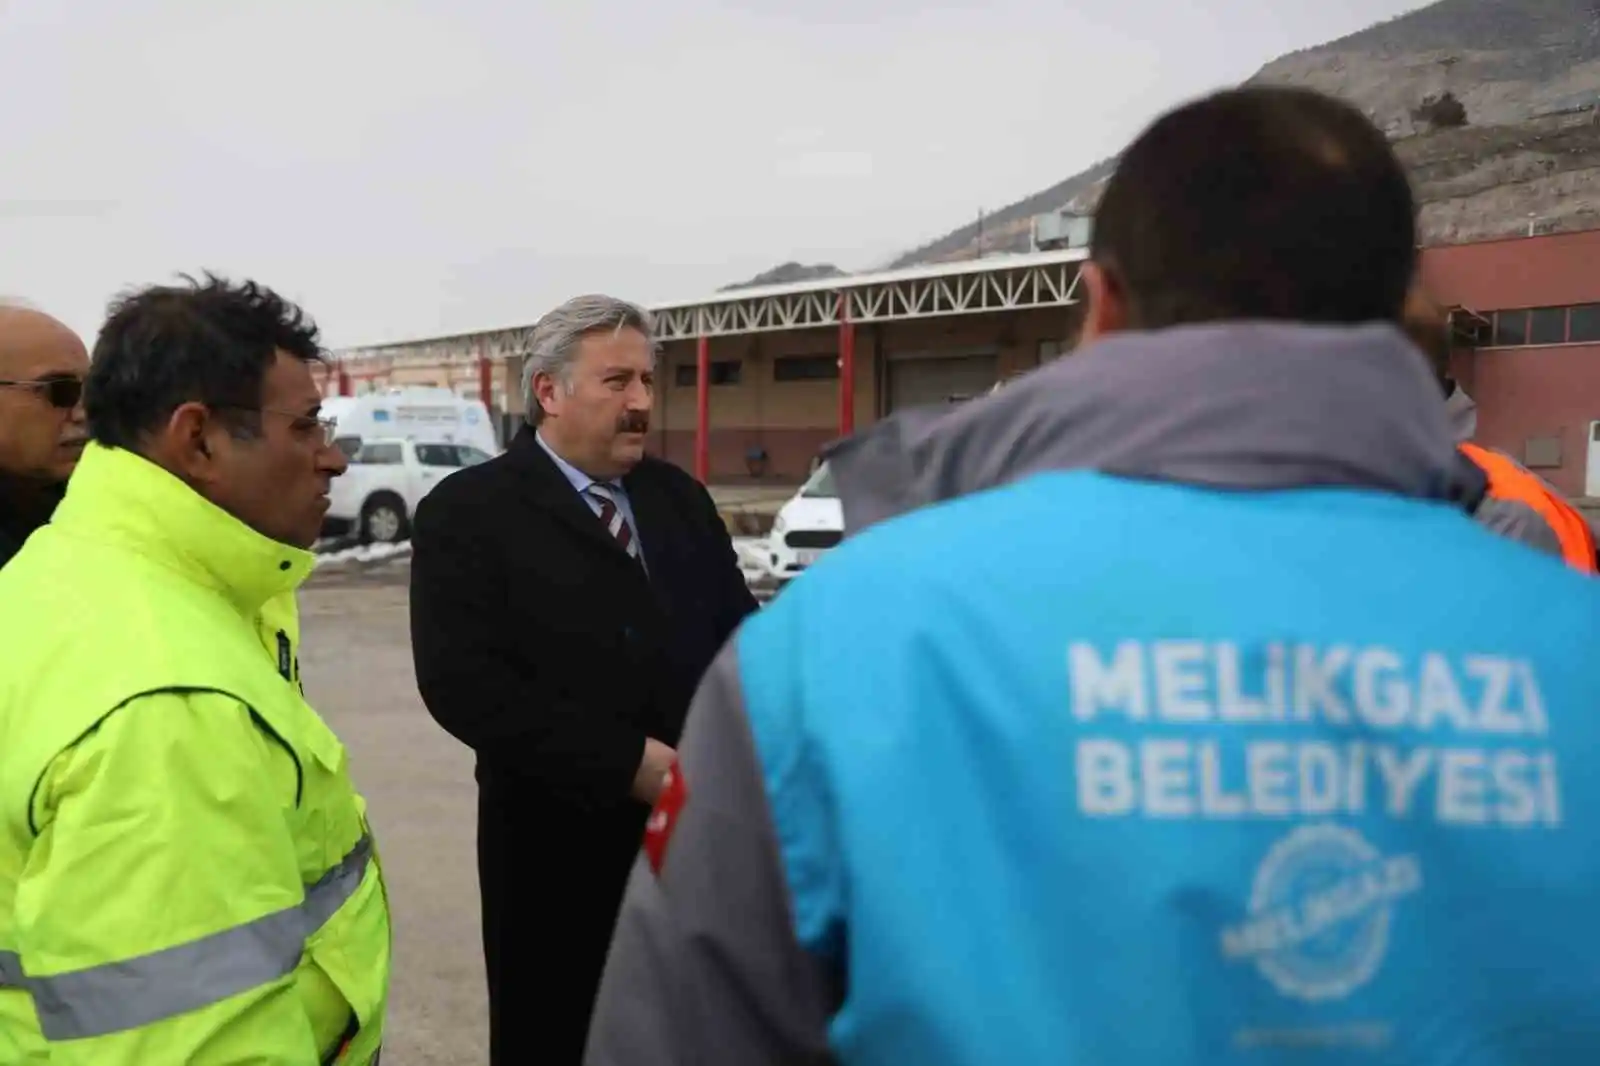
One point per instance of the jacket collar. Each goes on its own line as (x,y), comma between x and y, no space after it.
(1462,410)
(1241,405)
(531,457)
(559,493)
(117,497)
(24,507)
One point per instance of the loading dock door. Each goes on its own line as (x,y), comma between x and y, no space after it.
(925,378)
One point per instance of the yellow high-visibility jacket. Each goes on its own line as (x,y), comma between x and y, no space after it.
(186,871)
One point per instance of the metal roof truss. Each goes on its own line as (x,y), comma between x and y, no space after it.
(496,345)
(1010,289)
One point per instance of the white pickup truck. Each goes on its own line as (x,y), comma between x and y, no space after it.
(388,477)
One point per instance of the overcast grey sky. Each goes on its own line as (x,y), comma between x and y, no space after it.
(413,167)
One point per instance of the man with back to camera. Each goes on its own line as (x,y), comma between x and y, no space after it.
(42,366)
(566,597)
(186,871)
(1205,753)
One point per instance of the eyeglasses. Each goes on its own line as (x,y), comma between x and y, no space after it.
(63,391)
(298,422)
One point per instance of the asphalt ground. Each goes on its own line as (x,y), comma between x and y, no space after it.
(356,662)
(355,658)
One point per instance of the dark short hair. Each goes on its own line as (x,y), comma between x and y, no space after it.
(209,341)
(1259,203)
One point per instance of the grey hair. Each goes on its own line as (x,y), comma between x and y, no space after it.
(557,335)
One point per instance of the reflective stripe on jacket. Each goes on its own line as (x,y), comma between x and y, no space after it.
(186,872)
(1563,529)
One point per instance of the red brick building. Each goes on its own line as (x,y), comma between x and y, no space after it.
(1531,309)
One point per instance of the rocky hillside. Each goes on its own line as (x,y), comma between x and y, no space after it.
(1507,60)
(1526,72)
(786,273)
(1480,182)
(1009,228)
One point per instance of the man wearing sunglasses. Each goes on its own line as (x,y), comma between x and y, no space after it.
(42,432)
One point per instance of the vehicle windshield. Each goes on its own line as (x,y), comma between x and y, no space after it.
(820,484)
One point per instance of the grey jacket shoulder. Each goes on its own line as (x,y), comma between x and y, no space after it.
(1509,518)
(1517,521)
(705,967)
(874,470)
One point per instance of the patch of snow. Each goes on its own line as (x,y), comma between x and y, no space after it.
(753,557)
(364,553)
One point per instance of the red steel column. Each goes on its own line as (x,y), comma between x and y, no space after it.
(486,381)
(344,382)
(702,409)
(847,368)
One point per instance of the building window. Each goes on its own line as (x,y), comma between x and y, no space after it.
(723,372)
(1510,328)
(1579,324)
(1547,325)
(1585,325)
(1471,329)
(805,368)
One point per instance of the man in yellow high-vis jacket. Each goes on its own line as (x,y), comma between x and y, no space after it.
(186,871)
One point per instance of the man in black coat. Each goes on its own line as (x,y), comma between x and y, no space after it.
(565,599)
(42,429)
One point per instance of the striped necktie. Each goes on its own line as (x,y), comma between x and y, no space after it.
(611,517)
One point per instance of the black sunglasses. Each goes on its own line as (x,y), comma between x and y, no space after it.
(59,390)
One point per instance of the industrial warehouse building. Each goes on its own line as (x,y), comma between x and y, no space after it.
(790,367)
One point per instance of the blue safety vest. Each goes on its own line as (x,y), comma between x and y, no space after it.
(1189,776)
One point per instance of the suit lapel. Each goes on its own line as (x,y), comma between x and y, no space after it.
(553,492)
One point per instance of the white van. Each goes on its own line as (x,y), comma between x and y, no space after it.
(808,525)
(375,499)
(418,413)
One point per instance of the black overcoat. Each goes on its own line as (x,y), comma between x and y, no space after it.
(543,646)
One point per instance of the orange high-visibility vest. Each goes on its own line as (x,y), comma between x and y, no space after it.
(1509,481)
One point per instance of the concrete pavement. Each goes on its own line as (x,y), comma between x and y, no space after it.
(355,658)
(356,662)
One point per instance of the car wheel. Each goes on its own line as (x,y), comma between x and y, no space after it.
(383,520)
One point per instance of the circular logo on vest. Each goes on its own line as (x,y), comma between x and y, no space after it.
(1319,912)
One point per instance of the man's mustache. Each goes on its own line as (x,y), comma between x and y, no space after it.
(637,422)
